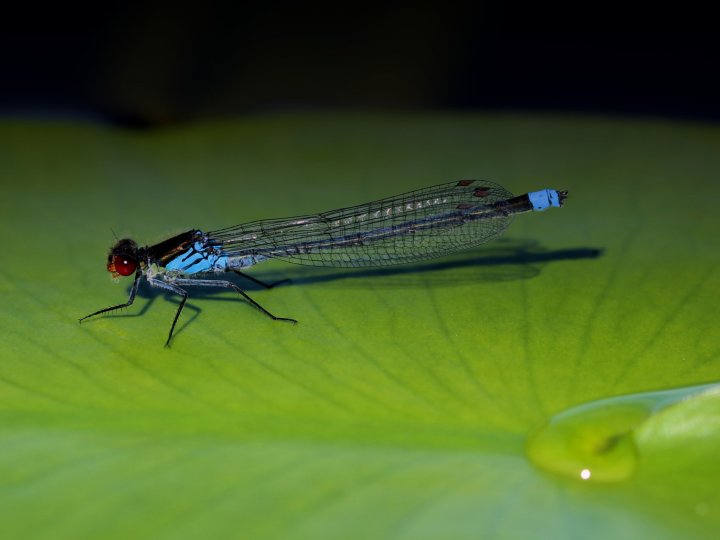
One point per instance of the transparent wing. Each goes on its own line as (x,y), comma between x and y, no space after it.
(410,227)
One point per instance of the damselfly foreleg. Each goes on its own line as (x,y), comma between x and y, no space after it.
(131,299)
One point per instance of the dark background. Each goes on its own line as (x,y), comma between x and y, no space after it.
(150,64)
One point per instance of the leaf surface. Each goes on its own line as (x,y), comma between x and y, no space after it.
(399,406)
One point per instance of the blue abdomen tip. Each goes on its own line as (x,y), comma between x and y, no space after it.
(544,199)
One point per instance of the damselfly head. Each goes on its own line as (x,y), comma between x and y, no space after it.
(123,258)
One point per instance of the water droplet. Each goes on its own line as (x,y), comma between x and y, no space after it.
(595,442)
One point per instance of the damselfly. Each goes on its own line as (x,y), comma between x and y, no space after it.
(417,225)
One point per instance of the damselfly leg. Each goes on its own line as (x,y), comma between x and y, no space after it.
(172,287)
(261,283)
(217,284)
(131,299)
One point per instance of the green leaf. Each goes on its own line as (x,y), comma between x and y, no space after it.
(400,405)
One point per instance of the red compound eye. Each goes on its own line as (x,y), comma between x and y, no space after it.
(122,265)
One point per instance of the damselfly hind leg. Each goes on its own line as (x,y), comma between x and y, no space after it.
(261,283)
(131,299)
(228,285)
